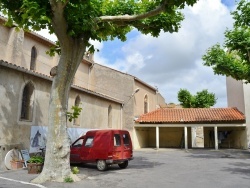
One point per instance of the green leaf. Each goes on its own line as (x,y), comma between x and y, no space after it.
(235,61)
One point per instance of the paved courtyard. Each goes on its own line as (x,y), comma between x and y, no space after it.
(170,168)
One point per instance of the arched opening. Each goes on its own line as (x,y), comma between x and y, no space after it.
(33,58)
(27,102)
(110,116)
(146,104)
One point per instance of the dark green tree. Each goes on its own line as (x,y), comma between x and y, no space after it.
(233,58)
(202,99)
(185,98)
(75,22)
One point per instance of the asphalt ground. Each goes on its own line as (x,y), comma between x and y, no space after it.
(172,168)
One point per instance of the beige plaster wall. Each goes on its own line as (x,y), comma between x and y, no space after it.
(140,139)
(139,98)
(236,139)
(118,85)
(82,75)
(246,88)
(238,94)
(111,82)
(44,62)
(15,132)
(12,84)
(4,31)
(170,137)
(94,114)
(235,94)
(4,36)
(160,101)
(13,46)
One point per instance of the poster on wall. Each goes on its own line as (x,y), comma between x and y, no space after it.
(38,136)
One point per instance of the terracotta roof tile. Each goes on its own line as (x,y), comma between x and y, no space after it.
(191,115)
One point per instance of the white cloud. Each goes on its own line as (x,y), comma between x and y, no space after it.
(173,61)
(45,33)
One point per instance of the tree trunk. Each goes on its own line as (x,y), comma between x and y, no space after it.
(57,165)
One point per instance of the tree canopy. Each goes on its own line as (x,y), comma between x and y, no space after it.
(97,19)
(202,99)
(75,22)
(233,57)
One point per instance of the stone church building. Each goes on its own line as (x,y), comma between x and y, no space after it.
(108,98)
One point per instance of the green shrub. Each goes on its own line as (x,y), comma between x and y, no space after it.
(75,170)
(68,180)
(36,159)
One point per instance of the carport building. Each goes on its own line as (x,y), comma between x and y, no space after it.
(178,128)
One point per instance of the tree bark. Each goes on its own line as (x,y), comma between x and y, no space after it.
(57,166)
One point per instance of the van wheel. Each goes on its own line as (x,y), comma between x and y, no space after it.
(123,165)
(101,165)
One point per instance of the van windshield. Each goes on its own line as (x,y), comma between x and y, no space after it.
(78,143)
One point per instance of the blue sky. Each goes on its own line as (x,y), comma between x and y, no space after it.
(228,3)
(173,61)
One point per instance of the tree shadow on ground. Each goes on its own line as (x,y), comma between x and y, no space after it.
(216,154)
(239,168)
(90,169)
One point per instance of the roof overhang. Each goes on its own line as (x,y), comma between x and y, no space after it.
(137,125)
(49,78)
(144,83)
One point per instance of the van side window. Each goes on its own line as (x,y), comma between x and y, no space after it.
(125,139)
(78,143)
(117,140)
(89,142)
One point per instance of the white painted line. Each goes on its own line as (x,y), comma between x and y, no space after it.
(23,182)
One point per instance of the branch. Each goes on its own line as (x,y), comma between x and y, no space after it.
(123,23)
(151,13)
(59,23)
(66,2)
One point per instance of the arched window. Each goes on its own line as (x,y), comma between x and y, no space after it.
(27,102)
(110,116)
(77,103)
(33,58)
(145,104)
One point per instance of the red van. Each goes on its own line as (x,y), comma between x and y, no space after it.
(103,147)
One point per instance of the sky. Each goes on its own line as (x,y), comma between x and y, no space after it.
(173,61)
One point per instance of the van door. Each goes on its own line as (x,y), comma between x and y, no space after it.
(127,145)
(75,150)
(87,147)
